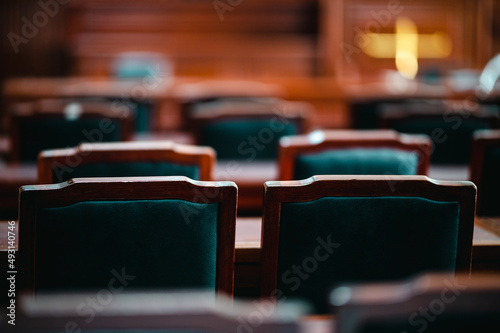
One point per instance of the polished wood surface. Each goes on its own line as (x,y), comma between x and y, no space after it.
(250,178)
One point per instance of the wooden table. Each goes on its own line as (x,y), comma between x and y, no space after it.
(250,178)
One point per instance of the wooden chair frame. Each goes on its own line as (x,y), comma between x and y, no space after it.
(192,93)
(294,112)
(383,303)
(35,197)
(291,147)
(316,187)
(47,109)
(138,151)
(482,140)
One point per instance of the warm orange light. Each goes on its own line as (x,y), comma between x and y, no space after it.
(406,45)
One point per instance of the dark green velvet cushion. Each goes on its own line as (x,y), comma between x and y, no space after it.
(129,169)
(38,135)
(247,139)
(358,161)
(452,143)
(371,239)
(79,246)
(490,183)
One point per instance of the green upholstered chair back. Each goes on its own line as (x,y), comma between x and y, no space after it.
(246,139)
(363,239)
(353,152)
(451,129)
(452,145)
(52,124)
(363,229)
(126,169)
(38,135)
(148,243)
(125,159)
(136,233)
(248,129)
(357,161)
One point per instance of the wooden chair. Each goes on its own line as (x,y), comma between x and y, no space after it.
(450,126)
(146,232)
(123,159)
(329,229)
(49,124)
(353,152)
(149,312)
(195,94)
(249,131)
(485,171)
(433,303)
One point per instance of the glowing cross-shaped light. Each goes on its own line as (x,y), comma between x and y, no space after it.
(406,45)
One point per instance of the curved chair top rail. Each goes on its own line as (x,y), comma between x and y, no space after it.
(291,146)
(128,152)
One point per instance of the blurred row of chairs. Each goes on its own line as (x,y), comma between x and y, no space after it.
(240,127)
(432,302)
(450,124)
(320,152)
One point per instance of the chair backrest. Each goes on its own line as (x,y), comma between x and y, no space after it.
(353,152)
(136,232)
(150,312)
(125,159)
(326,229)
(50,124)
(450,126)
(485,171)
(249,131)
(433,303)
